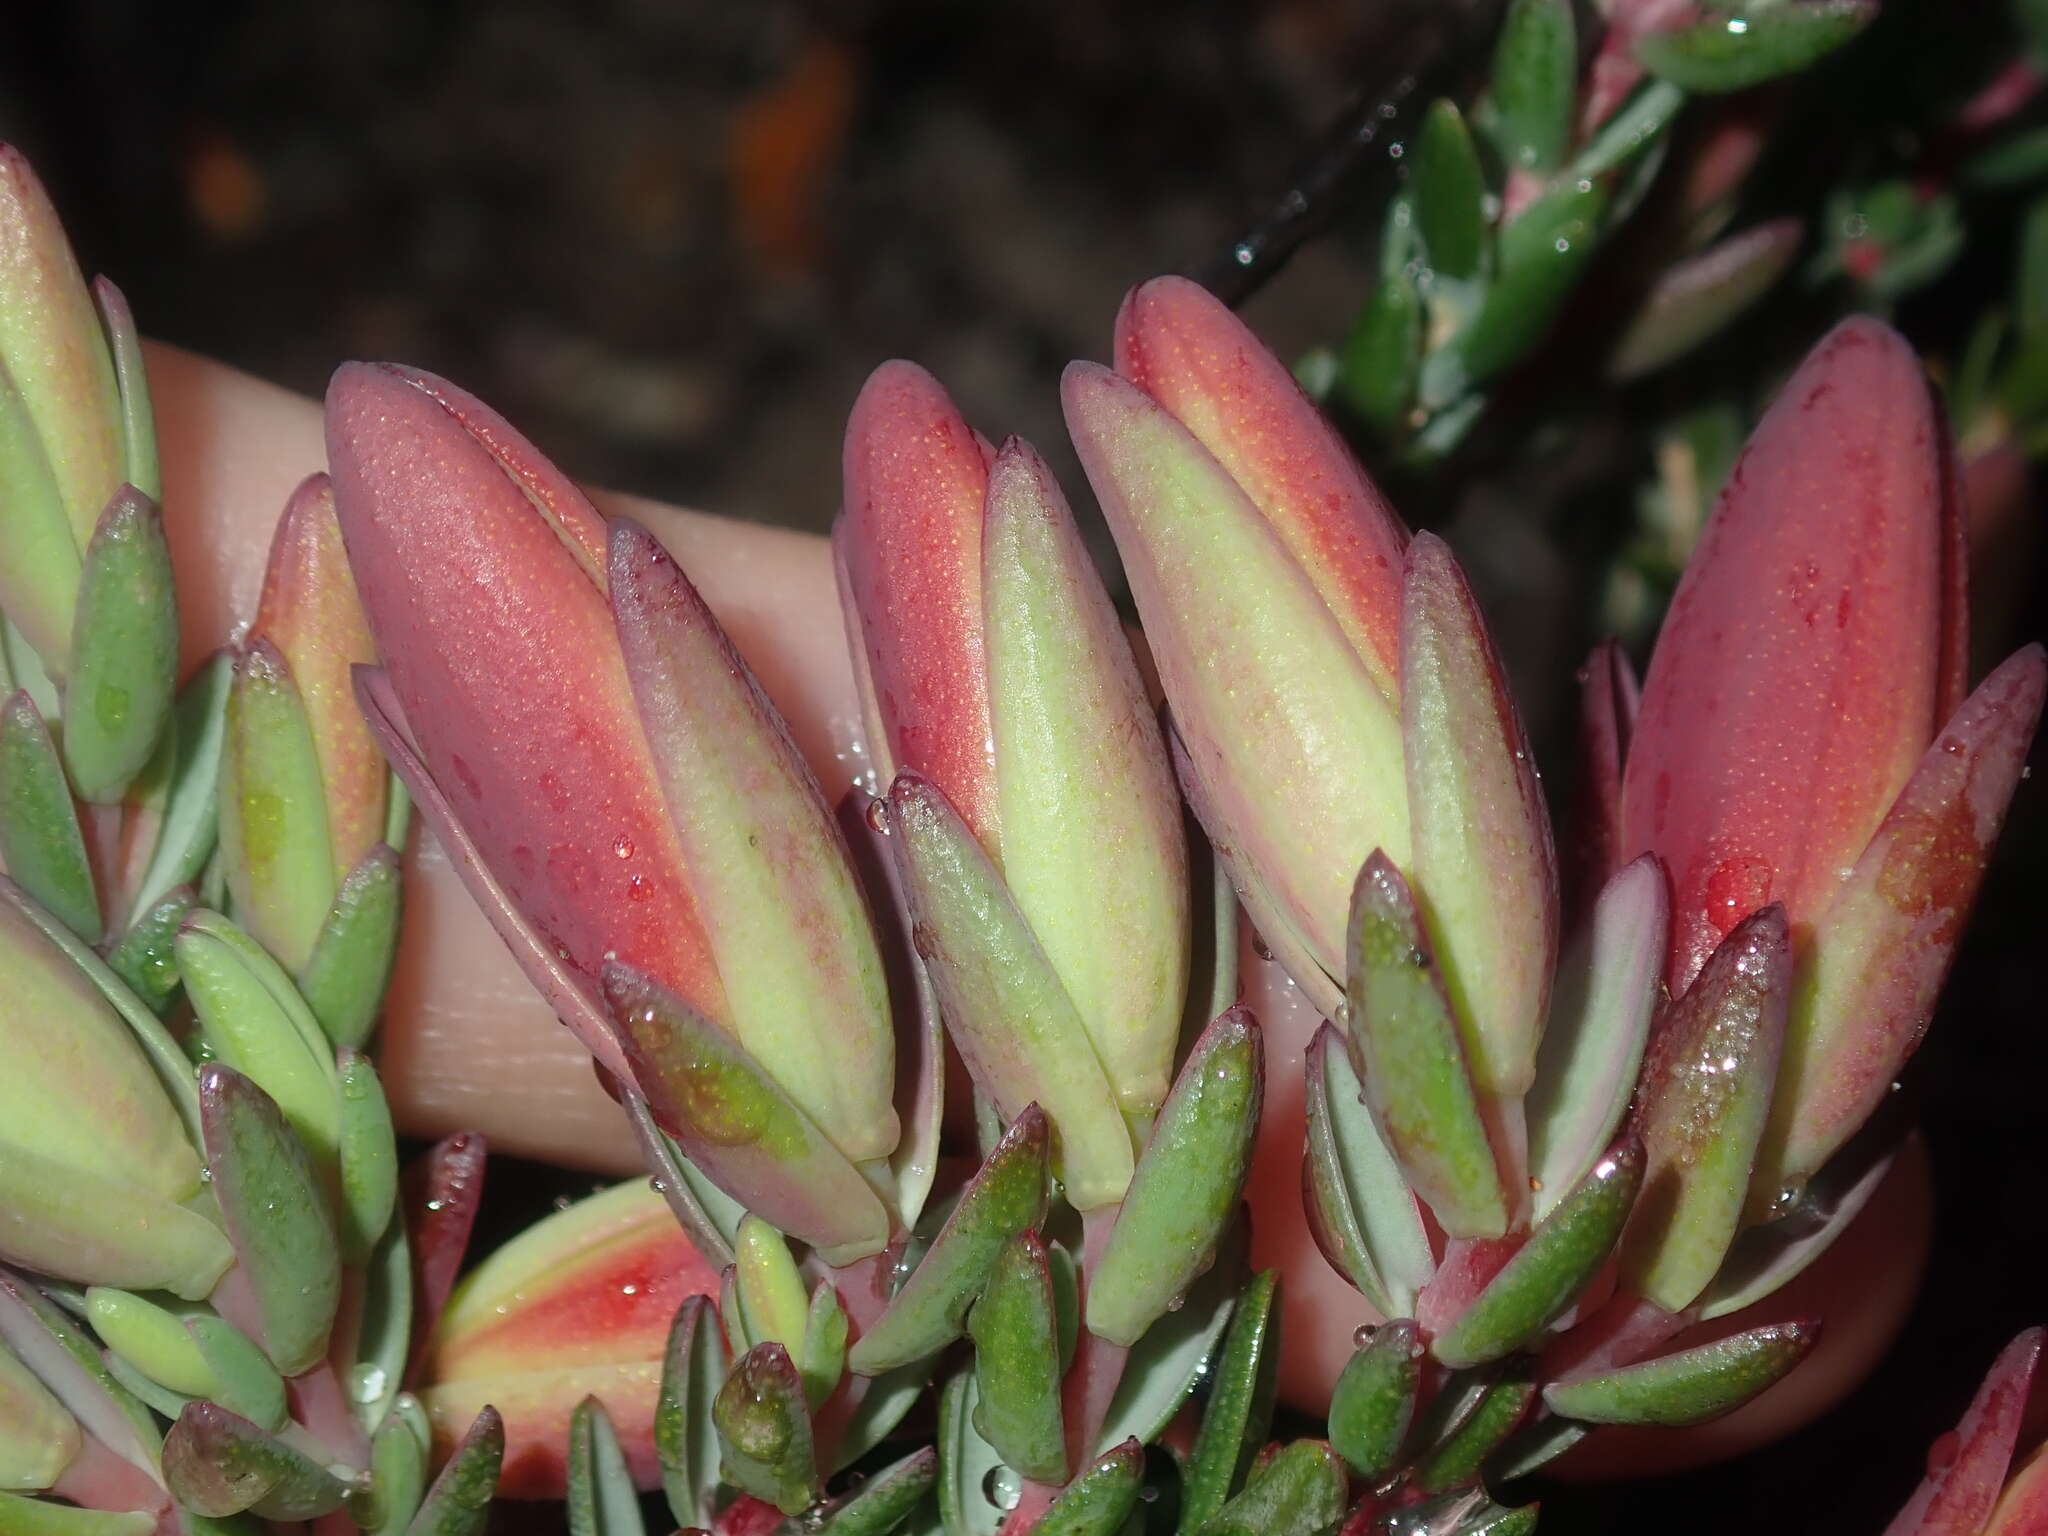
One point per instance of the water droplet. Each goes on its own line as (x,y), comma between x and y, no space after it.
(1176,1303)
(366,1383)
(1783,1201)
(629,1289)
(1535,1185)
(1364,1334)
(437,1205)
(1002,1487)
(623,846)
(878,817)
(639,888)
(1259,946)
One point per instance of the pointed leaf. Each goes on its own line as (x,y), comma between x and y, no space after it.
(1535,83)
(602,1498)
(68,1361)
(441,1192)
(1608,696)
(1411,1060)
(275,1212)
(1017,1363)
(369,1159)
(40,841)
(1485,871)
(764,1430)
(459,1501)
(1733,53)
(770,1290)
(146,958)
(244,1381)
(219,1464)
(737,1124)
(1542,253)
(1450,193)
(1186,1185)
(1868,979)
(824,1345)
(1586,1068)
(1962,1484)
(1007,1011)
(1298,1491)
(685,1439)
(1703,1102)
(1178,1352)
(885,1500)
(398,1473)
(1383,353)
(1549,1271)
(1081,770)
(185,818)
(21,1516)
(152,1339)
(124,649)
(972,1478)
(39,1438)
(68,1221)
(1690,1387)
(1373,1403)
(138,423)
(1240,1406)
(1763,1259)
(1364,1215)
(1101,1498)
(1006,1197)
(2023,1509)
(1456,1459)
(344,977)
(1696,298)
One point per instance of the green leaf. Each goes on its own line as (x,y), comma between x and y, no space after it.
(1450,193)
(1549,1271)
(2012,162)
(1703,1102)
(398,1474)
(1006,1197)
(1365,1217)
(68,1360)
(244,1381)
(1542,253)
(971,1475)
(1411,1059)
(1176,1352)
(181,785)
(764,1430)
(276,1215)
(1383,354)
(459,1502)
(124,649)
(1186,1184)
(255,1020)
(20,1516)
(217,1464)
(1535,83)
(770,1290)
(1298,1491)
(1240,1407)
(685,1440)
(602,1498)
(1457,1457)
(274,838)
(152,1339)
(344,978)
(146,958)
(1014,1023)
(1100,1500)
(69,1220)
(1373,1403)
(369,1159)
(1734,52)
(824,1345)
(383,1330)
(1690,1387)
(1017,1363)
(131,379)
(40,840)
(882,1503)
(1640,123)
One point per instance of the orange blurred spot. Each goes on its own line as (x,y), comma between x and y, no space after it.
(224,188)
(785,142)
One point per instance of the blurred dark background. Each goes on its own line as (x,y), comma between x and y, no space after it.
(670,240)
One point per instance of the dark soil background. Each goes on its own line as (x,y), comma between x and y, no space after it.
(670,239)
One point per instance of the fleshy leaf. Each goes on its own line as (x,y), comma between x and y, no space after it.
(1017,1363)
(1299,1490)
(69,1221)
(1101,1498)
(1006,1197)
(459,1501)
(1765,1258)
(1177,1352)
(1690,1387)
(21,1516)
(1449,192)
(441,1191)
(1734,52)
(1586,1068)
(398,1472)
(1696,298)
(685,1440)
(1365,1217)
(1294,741)
(38,1436)
(368,1158)
(1535,83)
(146,958)
(1608,698)
(1542,252)
(1092,849)
(1373,1402)
(1456,1459)
(1383,353)
(1240,1407)
(769,1288)
(183,823)
(787,926)
(40,841)
(344,977)
(1186,1185)
(602,1498)
(1006,1009)
(124,649)
(1705,1095)
(737,1125)
(1869,976)
(1550,1270)
(882,1503)
(219,1464)
(1411,1060)
(139,459)
(1485,872)
(764,1430)
(276,1214)
(1961,1487)
(968,1466)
